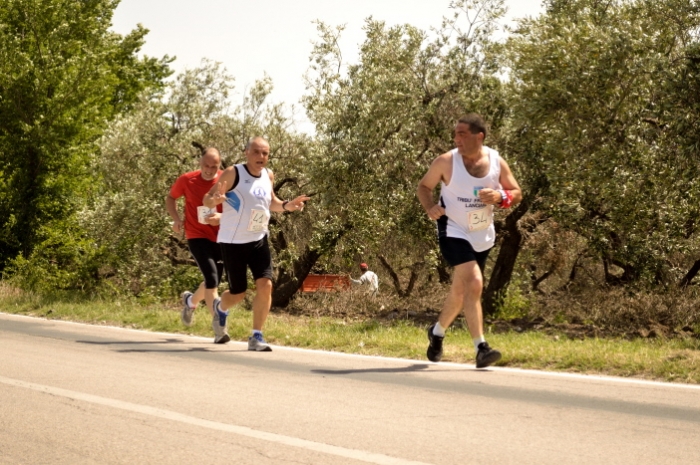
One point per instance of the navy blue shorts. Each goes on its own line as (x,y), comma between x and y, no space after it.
(239,257)
(458,251)
(207,255)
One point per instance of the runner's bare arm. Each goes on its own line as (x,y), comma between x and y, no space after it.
(171,206)
(436,173)
(278,205)
(509,183)
(509,188)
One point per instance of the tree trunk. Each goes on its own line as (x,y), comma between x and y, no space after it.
(392,274)
(572,273)
(288,282)
(511,243)
(537,281)
(629,273)
(29,216)
(694,270)
(415,268)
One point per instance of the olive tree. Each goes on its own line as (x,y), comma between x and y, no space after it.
(63,76)
(382,120)
(591,116)
(145,151)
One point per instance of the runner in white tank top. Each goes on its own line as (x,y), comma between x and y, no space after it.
(248,198)
(474,179)
(246,211)
(466,215)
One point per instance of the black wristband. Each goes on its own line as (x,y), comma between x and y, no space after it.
(283,204)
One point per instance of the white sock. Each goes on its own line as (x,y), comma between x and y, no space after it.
(438,330)
(478,341)
(189,301)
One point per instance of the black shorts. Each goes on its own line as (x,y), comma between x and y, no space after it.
(239,257)
(207,254)
(458,251)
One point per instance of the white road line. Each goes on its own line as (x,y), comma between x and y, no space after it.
(553,374)
(354,454)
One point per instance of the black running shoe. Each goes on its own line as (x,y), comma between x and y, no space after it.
(435,347)
(486,355)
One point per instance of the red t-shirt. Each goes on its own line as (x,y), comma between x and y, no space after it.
(194,187)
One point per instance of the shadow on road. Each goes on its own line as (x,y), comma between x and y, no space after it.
(408,369)
(170,351)
(107,343)
(163,341)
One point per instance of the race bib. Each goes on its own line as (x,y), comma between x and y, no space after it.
(478,220)
(258,221)
(203,212)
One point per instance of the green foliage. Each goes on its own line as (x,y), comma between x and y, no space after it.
(64,259)
(63,76)
(591,124)
(143,153)
(514,303)
(382,120)
(595,105)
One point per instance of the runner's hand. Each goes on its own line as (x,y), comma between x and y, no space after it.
(213,219)
(297,204)
(436,212)
(177,226)
(220,195)
(490,196)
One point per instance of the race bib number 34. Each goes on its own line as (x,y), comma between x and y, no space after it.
(258,220)
(478,220)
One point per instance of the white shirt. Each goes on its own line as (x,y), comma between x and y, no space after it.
(368,277)
(246,211)
(467,216)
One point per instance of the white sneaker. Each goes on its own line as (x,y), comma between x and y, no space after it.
(218,324)
(187,313)
(257,343)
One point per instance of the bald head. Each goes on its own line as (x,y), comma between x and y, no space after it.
(212,151)
(209,163)
(257,154)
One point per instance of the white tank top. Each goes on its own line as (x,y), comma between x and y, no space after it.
(246,211)
(467,217)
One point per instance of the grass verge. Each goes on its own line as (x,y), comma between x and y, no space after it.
(676,359)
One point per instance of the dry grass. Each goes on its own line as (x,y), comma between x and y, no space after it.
(356,304)
(616,312)
(7,291)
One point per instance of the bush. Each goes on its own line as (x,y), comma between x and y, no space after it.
(64,259)
(513,304)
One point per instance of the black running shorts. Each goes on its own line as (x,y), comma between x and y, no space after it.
(207,254)
(239,257)
(458,251)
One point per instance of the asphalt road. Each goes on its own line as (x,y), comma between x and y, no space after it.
(79,394)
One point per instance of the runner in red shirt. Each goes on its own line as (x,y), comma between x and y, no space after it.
(201,229)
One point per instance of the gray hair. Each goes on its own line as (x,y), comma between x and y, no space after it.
(253,139)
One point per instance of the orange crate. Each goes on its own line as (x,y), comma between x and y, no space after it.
(325,282)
